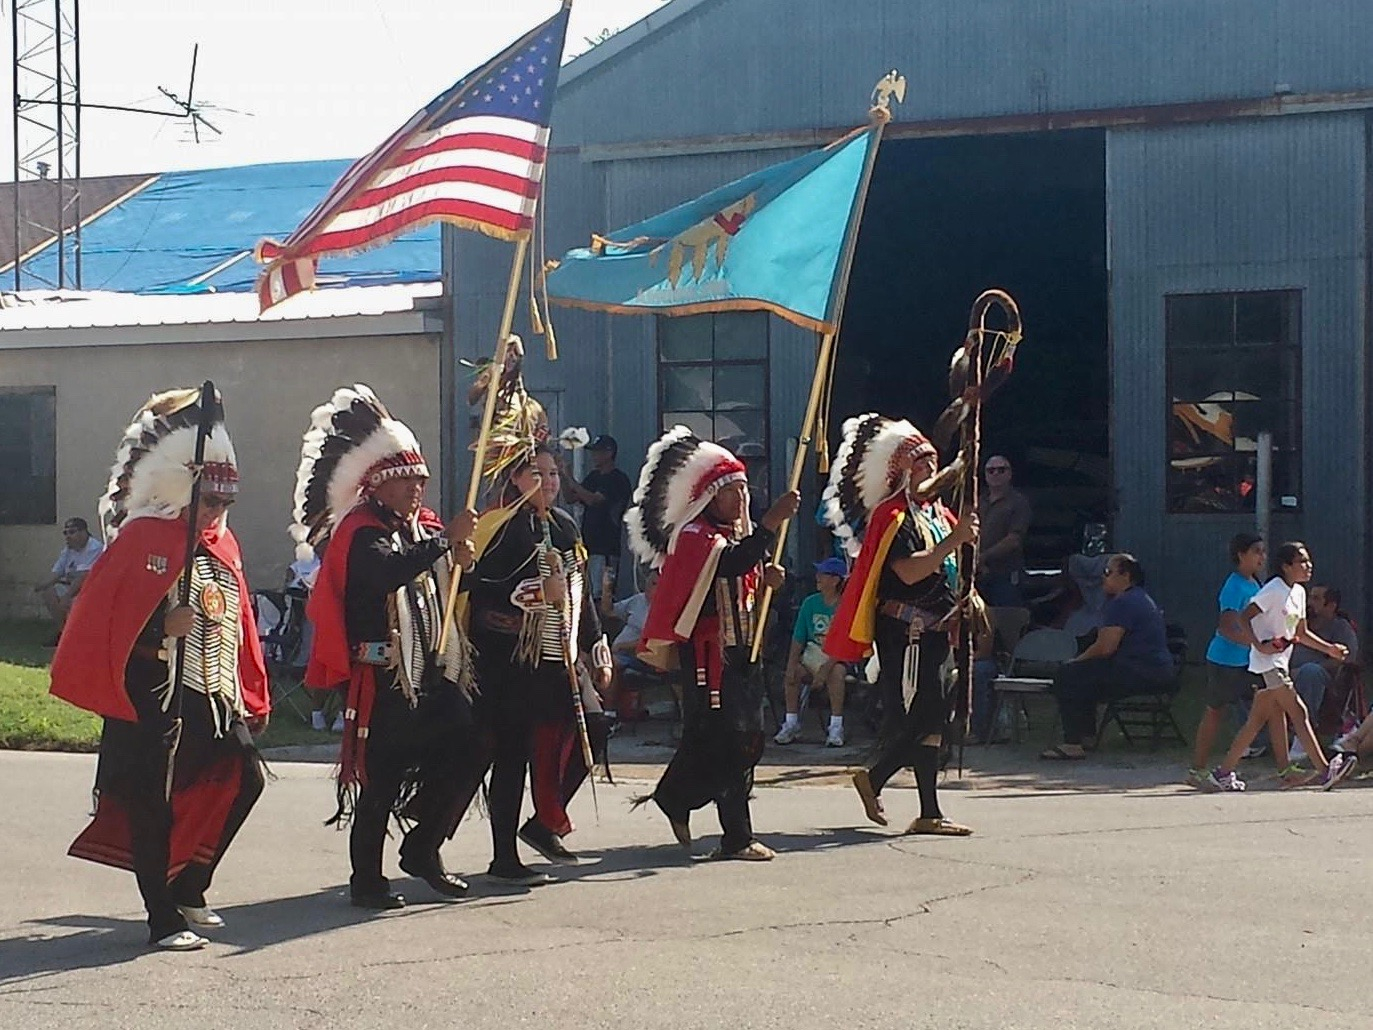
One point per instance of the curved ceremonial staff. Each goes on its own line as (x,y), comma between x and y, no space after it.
(183,590)
(981,364)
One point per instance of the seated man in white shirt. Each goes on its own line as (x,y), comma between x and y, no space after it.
(75,560)
(634,611)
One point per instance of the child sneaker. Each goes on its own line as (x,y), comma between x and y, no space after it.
(1225,780)
(1342,763)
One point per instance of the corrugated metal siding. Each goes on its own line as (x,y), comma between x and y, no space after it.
(1243,206)
(737,66)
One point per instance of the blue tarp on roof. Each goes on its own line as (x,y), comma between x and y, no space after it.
(166,237)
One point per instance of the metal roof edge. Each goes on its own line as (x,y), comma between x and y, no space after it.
(393,323)
(1143,116)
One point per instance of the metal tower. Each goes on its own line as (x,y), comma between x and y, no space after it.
(47,130)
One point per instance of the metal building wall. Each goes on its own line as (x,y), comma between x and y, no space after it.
(1258,205)
(713,67)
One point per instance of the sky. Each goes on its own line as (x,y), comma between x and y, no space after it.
(314,78)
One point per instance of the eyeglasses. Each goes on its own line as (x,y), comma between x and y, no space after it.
(214,502)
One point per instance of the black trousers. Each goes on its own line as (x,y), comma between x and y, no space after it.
(141,757)
(1080,686)
(718,751)
(930,708)
(426,749)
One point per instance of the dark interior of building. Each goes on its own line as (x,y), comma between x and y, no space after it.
(948,218)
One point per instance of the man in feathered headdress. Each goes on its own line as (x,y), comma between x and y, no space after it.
(900,597)
(178,771)
(690,519)
(377,609)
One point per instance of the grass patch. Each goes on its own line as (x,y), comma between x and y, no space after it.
(33,720)
(30,718)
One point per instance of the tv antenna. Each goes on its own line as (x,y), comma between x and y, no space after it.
(46,125)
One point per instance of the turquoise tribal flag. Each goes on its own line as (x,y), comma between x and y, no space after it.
(778,240)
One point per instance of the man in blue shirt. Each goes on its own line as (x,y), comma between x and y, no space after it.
(1129,656)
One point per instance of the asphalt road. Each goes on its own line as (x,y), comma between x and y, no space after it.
(1088,900)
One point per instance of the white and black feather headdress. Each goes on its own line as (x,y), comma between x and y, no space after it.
(153,473)
(353,445)
(870,467)
(681,474)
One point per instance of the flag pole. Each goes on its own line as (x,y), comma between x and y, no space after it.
(798,468)
(880,114)
(493,386)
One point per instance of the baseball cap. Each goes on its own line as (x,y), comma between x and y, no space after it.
(603,442)
(832,567)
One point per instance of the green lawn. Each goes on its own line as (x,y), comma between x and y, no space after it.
(32,720)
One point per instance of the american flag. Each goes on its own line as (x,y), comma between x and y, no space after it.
(474,157)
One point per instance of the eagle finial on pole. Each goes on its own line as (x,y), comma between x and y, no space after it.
(893,84)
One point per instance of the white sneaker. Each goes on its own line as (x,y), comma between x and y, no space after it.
(835,737)
(183,940)
(202,916)
(338,725)
(1296,753)
(789,732)
(317,721)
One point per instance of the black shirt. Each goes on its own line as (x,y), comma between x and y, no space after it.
(601,522)
(932,593)
(513,556)
(380,563)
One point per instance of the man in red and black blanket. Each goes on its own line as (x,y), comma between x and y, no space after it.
(691,517)
(170,826)
(377,609)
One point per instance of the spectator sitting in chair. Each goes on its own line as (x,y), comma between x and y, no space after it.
(634,611)
(1129,656)
(75,560)
(808,661)
(1313,671)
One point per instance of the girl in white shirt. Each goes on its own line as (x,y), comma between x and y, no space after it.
(1276,618)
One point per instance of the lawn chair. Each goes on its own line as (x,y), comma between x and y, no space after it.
(1036,658)
(280,617)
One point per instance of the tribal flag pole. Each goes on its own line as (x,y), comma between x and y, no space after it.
(779,240)
(980,365)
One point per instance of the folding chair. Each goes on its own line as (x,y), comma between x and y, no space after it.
(1033,662)
(280,617)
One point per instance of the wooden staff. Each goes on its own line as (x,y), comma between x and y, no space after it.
(823,366)
(202,434)
(488,415)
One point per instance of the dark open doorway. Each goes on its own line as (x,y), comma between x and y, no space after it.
(948,218)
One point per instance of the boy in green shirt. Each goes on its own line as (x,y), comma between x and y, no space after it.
(808,660)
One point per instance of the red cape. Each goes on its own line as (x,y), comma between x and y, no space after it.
(683,585)
(851,630)
(125,585)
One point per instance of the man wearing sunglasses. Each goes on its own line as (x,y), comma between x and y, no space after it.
(78,555)
(1005,515)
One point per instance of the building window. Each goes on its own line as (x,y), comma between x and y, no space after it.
(28,455)
(713,379)
(1234,370)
